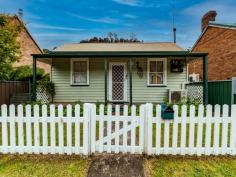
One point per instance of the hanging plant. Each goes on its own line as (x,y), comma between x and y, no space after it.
(139,70)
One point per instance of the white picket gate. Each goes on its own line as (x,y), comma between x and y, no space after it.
(54,129)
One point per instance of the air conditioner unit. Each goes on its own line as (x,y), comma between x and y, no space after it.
(194,77)
(177,95)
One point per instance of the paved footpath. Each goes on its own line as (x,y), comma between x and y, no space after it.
(118,165)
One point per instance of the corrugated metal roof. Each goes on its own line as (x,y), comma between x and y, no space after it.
(119,47)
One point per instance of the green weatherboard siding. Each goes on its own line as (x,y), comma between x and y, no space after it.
(95,91)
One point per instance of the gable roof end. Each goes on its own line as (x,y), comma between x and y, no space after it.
(27,31)
(214,25)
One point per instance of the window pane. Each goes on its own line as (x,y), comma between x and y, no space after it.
(80,66)
(153,66)
(156,78)
(160,67)
(160,78)
(80,78)
(80,72)
(152,78)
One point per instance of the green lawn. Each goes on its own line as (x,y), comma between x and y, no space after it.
(176,166)
(43,165)
(159,166)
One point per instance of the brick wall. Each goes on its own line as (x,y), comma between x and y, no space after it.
(28,47)
(220,43)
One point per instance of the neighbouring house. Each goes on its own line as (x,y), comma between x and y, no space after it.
(219,41)
(28,46)
(118,72)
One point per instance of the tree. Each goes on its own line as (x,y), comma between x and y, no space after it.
(9,47)
(133,37)
(24,73)
(46,51)
(112,38)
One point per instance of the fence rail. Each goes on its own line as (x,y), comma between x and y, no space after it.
(88,129)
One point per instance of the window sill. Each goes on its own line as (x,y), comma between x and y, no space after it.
(79,85)
(118,102)
(156,85)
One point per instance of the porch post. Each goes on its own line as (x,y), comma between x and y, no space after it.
(105,77)
(130,82)
(205,79)
(34,67)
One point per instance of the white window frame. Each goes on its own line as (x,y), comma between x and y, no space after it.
(72,70)
(164,60)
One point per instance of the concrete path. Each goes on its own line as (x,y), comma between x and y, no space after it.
(118,165)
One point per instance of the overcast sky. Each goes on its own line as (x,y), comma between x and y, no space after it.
(53,23)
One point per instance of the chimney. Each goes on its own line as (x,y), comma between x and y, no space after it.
(209,16)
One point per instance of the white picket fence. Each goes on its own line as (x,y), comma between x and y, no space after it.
(54,129)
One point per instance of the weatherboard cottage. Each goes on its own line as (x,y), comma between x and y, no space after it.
(118,72)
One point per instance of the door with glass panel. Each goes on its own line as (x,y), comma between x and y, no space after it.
(117,82)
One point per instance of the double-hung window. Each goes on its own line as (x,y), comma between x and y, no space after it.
(79,71)
(156,74)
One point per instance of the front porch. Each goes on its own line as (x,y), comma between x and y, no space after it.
(136,88)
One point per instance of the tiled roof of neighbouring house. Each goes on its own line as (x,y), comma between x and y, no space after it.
(119,47)
(223,25)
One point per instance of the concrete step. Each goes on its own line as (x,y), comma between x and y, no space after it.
(116,165)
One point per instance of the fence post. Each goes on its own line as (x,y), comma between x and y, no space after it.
(233,130)
(86,141)
(145,129)
(92,128)
(4,129)
(142,129)
(148,128)
(12,112)
(233,85)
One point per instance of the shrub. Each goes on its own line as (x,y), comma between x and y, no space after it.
(24,73)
